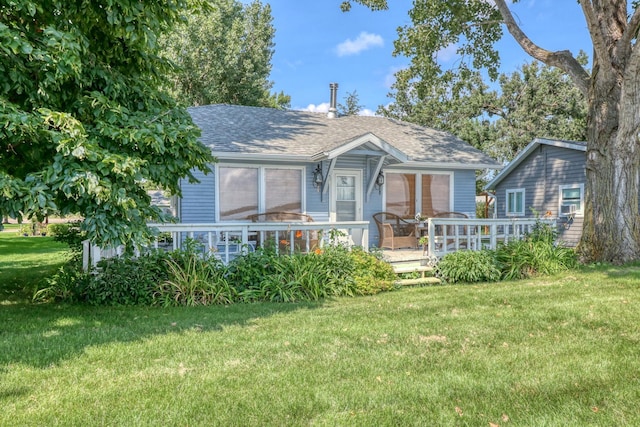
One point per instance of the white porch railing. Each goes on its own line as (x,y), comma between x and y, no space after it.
(452,234)
(227,241)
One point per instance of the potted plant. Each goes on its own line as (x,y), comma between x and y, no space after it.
(420,219)
(424,242)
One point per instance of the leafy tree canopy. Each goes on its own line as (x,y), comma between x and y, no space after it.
(535,101)
(223,55)
(611,89)
(83,125)
(351,106)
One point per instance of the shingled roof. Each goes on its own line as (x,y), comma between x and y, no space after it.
(240,131)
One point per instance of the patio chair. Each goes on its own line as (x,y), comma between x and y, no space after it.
(395,232)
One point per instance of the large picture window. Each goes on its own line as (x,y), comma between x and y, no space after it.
(245,191)
(515,202)
(408,193)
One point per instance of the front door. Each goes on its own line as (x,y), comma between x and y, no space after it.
(346,195)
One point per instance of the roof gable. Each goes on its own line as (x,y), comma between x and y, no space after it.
(530,148)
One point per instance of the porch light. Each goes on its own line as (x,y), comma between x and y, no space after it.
(318,179)
(380,182)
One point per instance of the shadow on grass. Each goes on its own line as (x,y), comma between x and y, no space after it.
(48,334)
(42,335)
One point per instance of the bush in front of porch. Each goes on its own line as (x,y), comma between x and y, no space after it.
(538,253)
(184,277)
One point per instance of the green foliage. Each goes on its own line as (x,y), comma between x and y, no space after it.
(70,233)
(84,122)
(194,280)
(468,267)
(68,284)
(126,280)
(223,55)
(536,100)
(371,274)
(535,254)
(351,106)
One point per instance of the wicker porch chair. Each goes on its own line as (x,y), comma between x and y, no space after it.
(394,231)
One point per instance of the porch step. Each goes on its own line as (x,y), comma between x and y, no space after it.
(419,281)
(411,269)
(425,271)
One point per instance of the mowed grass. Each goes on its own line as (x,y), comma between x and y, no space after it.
(560,351)
(25,262)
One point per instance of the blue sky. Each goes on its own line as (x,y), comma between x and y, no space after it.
(316,44)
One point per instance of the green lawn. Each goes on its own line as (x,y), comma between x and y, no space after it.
(25,261)
(561,351)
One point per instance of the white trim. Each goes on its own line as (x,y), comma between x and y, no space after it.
(506,202)
(419,174)
(357,142)
(261,184)
(332,201)
(580,211)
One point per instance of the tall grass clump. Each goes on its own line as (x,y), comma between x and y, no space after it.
(469,267)
(537,253)
(194,280)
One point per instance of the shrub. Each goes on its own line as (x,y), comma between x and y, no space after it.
(536,253)
(126,280)
(371,274)
(194,280)
(66,284)
(247,272)
(68,233)
(468,267)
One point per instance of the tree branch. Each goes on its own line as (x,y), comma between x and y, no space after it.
(600,50)
(561,59)
(630,33)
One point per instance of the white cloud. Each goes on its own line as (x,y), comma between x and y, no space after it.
(366,112)
(363,42)
(320,108)
(448,53)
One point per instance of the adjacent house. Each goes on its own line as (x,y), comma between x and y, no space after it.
(546,178)
(328,167)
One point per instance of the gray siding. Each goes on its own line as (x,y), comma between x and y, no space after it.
(541,175)
(464,192)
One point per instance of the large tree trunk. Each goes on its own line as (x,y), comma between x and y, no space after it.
(611,221)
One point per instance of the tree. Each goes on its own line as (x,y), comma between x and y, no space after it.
(83,125)
(535,101)
(351,105)
(611,230)
(223,55)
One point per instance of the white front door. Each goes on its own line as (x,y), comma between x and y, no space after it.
(346,195)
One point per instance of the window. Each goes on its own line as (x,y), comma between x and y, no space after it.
(515,202)
(244,191)
(571,199)
(404,197)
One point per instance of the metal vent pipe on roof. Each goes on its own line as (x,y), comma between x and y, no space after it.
(333,110)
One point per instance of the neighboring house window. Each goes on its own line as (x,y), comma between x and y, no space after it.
(244,191)
(405,198)
(571,199)
(515,202)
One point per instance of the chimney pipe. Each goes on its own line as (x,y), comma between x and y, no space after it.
(333,111)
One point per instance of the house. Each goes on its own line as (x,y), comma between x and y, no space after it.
(546,178)
(329,167)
